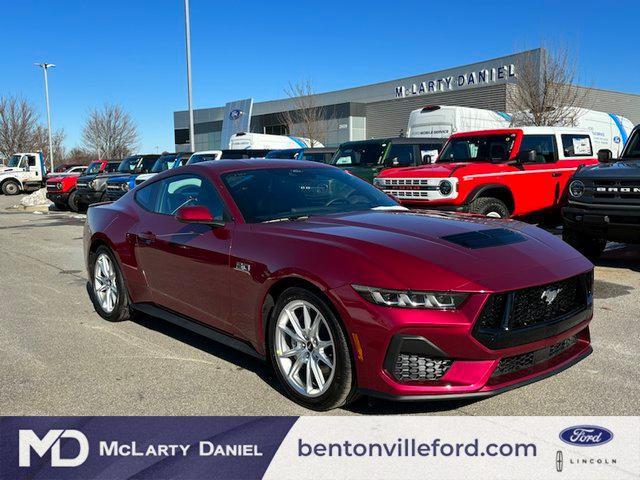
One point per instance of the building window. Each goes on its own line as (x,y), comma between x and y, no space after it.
(276,129)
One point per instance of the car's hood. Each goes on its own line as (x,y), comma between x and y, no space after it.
(623,169)
(8,169)
(430,250)
(121,179)
(444,169)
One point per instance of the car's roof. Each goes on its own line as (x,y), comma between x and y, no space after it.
(398,140)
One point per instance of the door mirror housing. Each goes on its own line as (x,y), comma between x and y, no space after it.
(605,155)
(197,214)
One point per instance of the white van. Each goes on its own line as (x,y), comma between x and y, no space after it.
(263,141)
(440,121)
(610,131)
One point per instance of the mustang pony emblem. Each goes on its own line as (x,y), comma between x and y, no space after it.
(550,295)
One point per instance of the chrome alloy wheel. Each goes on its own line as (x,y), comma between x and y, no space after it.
(304,348)
(494,215)
(105,283)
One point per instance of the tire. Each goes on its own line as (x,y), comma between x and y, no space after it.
(340,385)
(73,201)
(591,247)
(119,308)
(489,207)
(11,187)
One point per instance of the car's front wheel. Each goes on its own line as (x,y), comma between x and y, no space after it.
(73,201)
(309,351)
(108,291)
(489,207)
(10,187)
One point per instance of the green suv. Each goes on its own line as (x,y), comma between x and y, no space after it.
(367,158)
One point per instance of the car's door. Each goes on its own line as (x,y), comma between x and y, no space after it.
(534,183)
(186,266)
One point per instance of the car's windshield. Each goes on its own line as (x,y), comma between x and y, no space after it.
(286,154)
(286,193)
(165,162)
(202,157)
(112,167)
(147,164)
(363,154)
(129,164)
(478,148)
(14,161)
(94,167)
(632,151)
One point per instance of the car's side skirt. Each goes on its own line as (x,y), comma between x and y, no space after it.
(197,327)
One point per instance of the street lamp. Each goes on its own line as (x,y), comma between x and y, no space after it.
(187,26)
(45,66)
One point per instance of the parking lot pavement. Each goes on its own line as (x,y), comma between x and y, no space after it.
(59,357)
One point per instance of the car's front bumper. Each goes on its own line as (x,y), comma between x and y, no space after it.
(114,194)
(89,197)
(616,223)
(58,197)
(473,367)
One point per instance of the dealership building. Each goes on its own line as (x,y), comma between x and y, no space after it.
(382,109)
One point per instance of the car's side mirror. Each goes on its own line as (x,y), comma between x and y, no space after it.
(427,159)
(197,214)
(605,155)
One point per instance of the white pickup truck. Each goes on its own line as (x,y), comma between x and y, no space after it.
(24,172)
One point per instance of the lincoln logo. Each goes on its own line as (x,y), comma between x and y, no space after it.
(550,295)
(559,461)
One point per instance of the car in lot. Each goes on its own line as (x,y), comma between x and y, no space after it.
(93,190)
(118,185)
(24,172)
(166,161)
(324,275)
(368,158)
(62,190)
(501,173)
(604,201)
(87,191)
(321,155)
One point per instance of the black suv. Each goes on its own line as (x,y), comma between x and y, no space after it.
(367,158)
(604,201)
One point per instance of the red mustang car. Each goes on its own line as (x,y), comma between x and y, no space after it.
(343,290)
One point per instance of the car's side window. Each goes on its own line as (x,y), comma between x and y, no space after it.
(544,146)
(400,156)
(574,145)
(147,196)
(174,192)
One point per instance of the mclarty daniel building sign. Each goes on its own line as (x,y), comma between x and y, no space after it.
(483,76)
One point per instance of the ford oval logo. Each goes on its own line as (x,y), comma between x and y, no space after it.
(235,114)
(586,435)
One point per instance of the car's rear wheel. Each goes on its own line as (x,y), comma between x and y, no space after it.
(10,187)
(591,247)
(109,293)
(309,351)
(73,201)
(489,207)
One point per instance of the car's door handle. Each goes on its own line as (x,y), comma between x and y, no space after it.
(146,238)
(556,174)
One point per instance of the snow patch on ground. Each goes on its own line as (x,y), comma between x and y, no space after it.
(36,199)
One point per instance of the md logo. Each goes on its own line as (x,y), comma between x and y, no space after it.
(28,440)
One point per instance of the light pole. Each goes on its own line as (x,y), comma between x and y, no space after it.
(187,26)
(45,66)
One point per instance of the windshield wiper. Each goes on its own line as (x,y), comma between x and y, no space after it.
(290,218)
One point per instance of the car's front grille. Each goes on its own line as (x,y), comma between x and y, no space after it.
(527,360)
(410,367)
(52,187)
(506,314)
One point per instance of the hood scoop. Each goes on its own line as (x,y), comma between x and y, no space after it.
(493,237)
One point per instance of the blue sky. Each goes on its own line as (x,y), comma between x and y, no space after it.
(132,52)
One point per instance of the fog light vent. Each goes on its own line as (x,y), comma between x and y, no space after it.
(409,367)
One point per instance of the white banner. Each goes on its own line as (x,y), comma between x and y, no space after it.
(457,448)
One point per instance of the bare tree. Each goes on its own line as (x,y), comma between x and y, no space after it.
(110,132)
(545,92)
(40,142)
(80,155)
(18,123)
(307,119)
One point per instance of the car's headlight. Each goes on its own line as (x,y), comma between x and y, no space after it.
(410,299)
(445,188)
(576,188)
(125,186)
